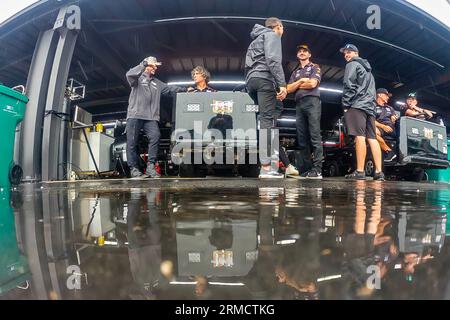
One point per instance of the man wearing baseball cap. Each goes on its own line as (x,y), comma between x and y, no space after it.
(386,117)
(414,111)
(144,113)
(304,81)
(358,101)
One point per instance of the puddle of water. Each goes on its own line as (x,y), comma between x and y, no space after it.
(234,239)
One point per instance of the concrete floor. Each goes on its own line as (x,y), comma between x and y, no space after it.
(226,238)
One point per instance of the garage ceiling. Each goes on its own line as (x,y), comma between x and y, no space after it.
(410,52)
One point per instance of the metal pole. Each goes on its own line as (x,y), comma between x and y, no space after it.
(63,153)
(30,142)
(53,121)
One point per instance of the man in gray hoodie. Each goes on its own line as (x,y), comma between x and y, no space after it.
(359,102)
(266,82)
(143,113)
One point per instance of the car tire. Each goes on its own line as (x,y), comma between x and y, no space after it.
(417,175)
(15,175)
(249,170)
(333,169)
(186,171)
(369,168)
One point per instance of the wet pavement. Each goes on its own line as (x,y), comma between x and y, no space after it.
(225,239)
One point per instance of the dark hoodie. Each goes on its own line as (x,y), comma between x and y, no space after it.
(264,55)
(359,86)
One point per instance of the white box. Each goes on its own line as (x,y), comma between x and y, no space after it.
(101,149)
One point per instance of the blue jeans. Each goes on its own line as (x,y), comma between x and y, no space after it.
(151,130)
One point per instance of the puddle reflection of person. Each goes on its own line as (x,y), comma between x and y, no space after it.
(372,242)
(221,122)
(411,260)
(202,289)
(298,267)
(144,237)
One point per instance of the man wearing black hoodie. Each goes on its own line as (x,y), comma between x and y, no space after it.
(358,101)
(264,78)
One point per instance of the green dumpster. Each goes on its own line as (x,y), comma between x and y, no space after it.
(12,110)
(14,269)
(441,175)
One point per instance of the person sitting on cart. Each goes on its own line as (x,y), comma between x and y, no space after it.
(413,110)
(386,118)
(201,77)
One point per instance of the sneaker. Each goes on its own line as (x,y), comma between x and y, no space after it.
(270,174)
(151,172)
(135,173)
(313,174)
(379,176)
(291,171)
(304,174)
(356,175)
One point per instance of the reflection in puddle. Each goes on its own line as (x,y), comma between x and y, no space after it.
(14,269)
(319,240)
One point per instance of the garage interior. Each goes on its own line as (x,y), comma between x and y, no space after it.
(409,53)
(218,238)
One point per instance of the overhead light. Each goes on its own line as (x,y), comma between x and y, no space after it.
(184,282)
(180,83)
(231,284)
(289,241)
(287,119)
(112,124)
(338,276)
(111,243)
(330,143)
(236,284)
(187,83)
(227,82)
(330,90)
(237,82)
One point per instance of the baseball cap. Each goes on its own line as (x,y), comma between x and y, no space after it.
(412,95)
(153,61)
(303,46)
(350,47)
(385,91)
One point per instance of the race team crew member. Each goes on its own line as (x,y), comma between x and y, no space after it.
(304,81)
(264,75)
(358,101)
(386,118)
(201,77)
(144,113)
(414,111)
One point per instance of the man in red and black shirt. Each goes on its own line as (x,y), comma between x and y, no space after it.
(304,81)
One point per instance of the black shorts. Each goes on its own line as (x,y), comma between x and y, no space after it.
(359,123)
